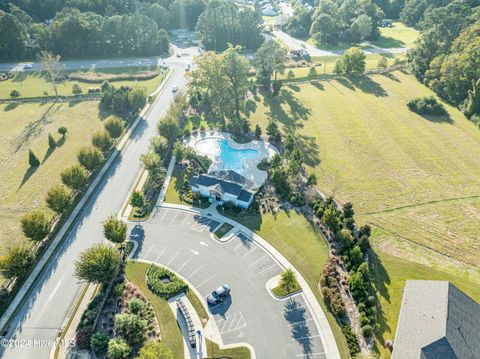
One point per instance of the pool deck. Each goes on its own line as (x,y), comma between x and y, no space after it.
(250,170)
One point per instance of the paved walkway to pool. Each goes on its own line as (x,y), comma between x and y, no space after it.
(248,167)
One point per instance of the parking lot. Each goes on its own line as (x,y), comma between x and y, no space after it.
(182,241)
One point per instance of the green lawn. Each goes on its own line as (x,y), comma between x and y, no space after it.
(279,291)
(302,245)
(25,127)
(33,84)
(214,351)
(391,274)
(223,230)
(400,170)
(327,64)
(169,330)
(400,35)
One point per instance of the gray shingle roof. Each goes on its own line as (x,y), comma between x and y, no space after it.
(245,196)
(232,176)
(437,320)
(220,185)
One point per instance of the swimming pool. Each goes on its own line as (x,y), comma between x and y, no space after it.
(226,157)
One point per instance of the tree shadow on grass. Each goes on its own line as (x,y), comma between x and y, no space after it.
(11,106)
(50,150)
(298,111)
(28,173)
(367,85)
(34,128)
(294,87)
(437,119)
(318,85)
(391,76)
(381,279)
(310,149)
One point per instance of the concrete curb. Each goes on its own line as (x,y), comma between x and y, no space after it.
(215,336)
(58,240)
(321,322)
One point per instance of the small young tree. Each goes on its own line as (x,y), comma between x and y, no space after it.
(58,198)
(168,128)
(105,86)
(115,126)
(290,75)
(17,261)
(136,306)
(51,64)
(258,131)
(51,141)
(272,131)
(33,160)
(312,179)
(137,199)
(312,72)
(159,145)
(35,225)
(15,94)
(115,230)
(76,89)
(382,62)
(62,130)
(90,158)
(151,161)
(131,327)
(155,350)
(97,264)
(74,177)
(102,140)
(118,348)
(287,280)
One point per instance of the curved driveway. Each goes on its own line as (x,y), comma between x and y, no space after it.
(182,241)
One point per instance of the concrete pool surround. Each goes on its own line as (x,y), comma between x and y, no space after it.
(226,154)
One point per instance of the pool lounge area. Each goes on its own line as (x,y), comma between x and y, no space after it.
(226,154)
(233,175)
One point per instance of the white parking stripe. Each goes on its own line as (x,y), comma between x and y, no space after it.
(240,245)
(258,260)
(300,307)
(160,254)
(148,252)
(175,216)
(195,271)
(263,271)
(165,212)
(184,264)
(309,354)
(231,323)
(301,321)
(309,337)
(171,259)
(205,281)
(250,251)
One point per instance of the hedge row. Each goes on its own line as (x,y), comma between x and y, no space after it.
(155,275)
(93,77)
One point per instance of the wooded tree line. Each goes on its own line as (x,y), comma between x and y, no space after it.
(225,23)
(447,55)
(333,21)
(92,28)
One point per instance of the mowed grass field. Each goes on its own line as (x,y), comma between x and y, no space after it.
(25,127)
(327,64)
(34,84)
(415,179)
(400,35)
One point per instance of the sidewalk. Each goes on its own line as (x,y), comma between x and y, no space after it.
(321,322)
(201,350)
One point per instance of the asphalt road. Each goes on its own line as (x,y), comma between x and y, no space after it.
(43,313)
(277,329)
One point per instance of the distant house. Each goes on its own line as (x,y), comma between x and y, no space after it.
(437,321)
(269,11)
(225,187)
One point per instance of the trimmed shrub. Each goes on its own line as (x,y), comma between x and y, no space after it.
(163,282)
(99,342)
(83,337)
(427,106)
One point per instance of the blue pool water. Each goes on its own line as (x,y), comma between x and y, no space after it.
(229,158)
